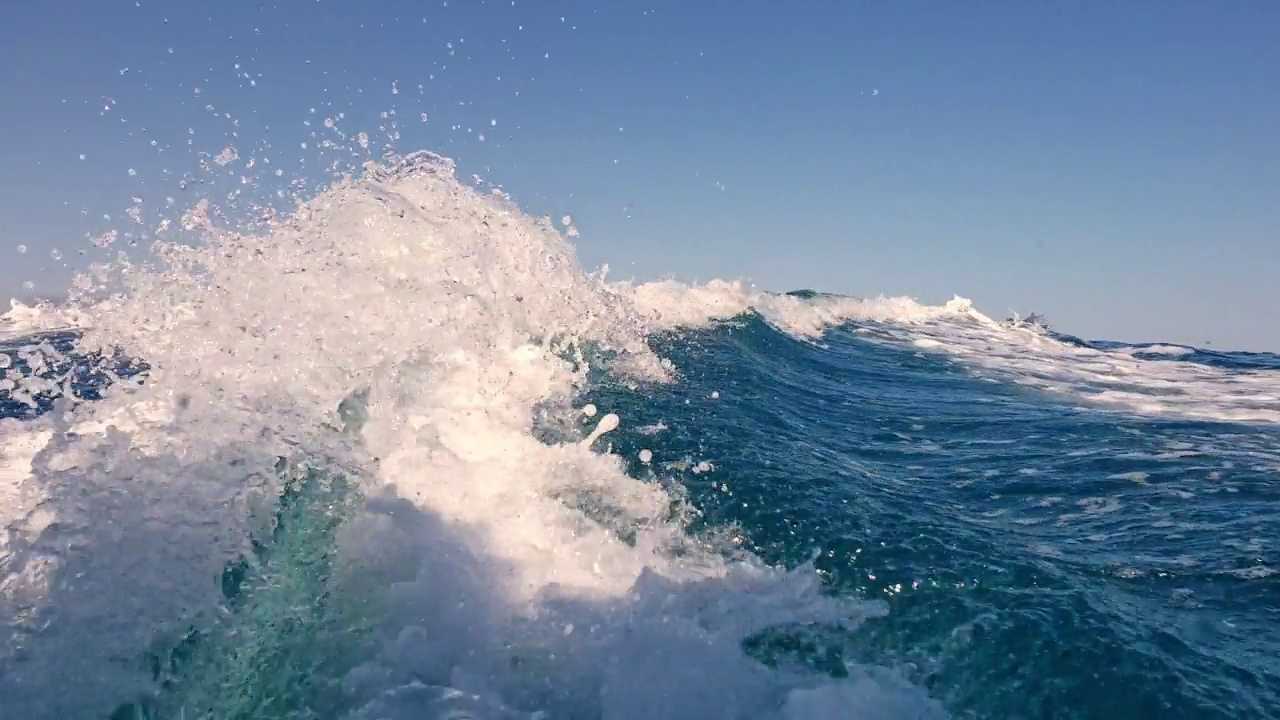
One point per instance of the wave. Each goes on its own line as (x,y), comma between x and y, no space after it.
(371,419)
(424,346)
(1152,380)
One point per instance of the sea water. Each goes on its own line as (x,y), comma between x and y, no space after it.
(397,455)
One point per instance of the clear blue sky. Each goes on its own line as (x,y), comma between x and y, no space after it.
(1113,165)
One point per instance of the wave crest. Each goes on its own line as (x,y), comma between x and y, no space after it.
(411,335)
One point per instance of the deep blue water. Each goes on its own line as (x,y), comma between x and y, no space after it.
(1027,574)
(1040,556)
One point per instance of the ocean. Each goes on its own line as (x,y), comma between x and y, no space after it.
(396,454)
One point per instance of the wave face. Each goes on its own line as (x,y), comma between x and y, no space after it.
(402,457)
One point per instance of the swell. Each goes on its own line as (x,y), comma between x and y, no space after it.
(1038,558)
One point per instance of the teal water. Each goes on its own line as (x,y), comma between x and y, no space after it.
(1039,558)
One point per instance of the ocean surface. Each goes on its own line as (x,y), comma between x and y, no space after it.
(397,455)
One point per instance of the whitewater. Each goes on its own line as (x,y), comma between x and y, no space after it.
(396,454)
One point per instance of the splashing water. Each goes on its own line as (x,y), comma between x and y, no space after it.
(329,493)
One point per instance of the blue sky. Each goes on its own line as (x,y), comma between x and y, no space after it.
(1114,166)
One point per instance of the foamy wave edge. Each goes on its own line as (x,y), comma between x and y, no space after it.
(456,321)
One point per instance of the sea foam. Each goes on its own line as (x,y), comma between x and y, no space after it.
(409,334)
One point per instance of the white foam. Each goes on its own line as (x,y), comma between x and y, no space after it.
(670,304)
(22,589)
(116,534)
(1116,379)
(430,322)
(1112,379)
(23,319)
(1169,350)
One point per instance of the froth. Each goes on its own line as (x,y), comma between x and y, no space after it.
(407,332)
(1125,379)
(669,304)
(23,319)
(1119,379)
(372,273)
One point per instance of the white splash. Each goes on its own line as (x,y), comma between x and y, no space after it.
(23,319)
(505,585)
